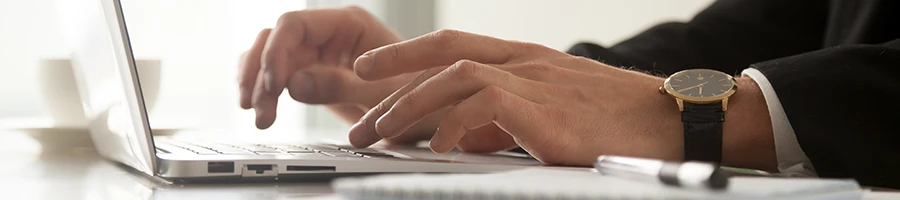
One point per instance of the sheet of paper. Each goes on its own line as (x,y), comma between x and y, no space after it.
(569,184)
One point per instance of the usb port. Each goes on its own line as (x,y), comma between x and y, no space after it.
(220,167)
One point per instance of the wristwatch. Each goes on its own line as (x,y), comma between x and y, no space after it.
(702,97)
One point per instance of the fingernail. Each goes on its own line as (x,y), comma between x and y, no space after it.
(269,82)
(384,126)
(363,64)
(435,147)
(260,120)
(357,138)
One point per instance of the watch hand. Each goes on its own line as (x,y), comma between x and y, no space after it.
(692,87)
(701,90)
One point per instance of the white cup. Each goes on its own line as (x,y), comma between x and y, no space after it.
(62,100)
(60,94)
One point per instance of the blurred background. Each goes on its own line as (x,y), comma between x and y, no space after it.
(197,44)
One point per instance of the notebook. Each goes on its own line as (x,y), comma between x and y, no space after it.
(549,183)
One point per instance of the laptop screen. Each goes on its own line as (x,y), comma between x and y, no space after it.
(107,80)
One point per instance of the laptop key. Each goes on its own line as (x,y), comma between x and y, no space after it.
(330,151)
(335,154)
(236,152)
(271,153)
(363,151)
(220,147)
(173,149)
(379,155)
(323,147)
(301,151)
(289,148)
(257,148)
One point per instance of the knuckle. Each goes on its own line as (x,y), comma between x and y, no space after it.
(289,17)
(494,95)
(465,69)
(574,93)
(263,33)
(377,111)
(357,16)
(393,52)
(538,67)
(533,47)
(535,71)
(411,99)
(581,60)
(445,37)
(355,9)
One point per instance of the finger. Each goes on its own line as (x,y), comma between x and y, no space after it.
(510,112)
(363,133)
(437,49)
(452,85)
(297,38)
(324,85)
(486,139)
(249,68)
(331,85)
(264,103)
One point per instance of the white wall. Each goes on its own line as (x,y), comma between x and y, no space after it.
(29,31)
(561,23)
(198,41)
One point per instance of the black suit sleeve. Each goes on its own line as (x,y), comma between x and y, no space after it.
(843,102)
(844,106)
(727,36)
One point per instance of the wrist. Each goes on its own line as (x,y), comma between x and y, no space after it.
(747,139)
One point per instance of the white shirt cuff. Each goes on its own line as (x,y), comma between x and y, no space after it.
(792,161)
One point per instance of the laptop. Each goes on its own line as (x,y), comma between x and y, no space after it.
(109,86)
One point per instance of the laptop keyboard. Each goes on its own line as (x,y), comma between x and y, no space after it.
(266,149)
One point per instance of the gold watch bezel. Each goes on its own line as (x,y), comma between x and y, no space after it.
(680,98)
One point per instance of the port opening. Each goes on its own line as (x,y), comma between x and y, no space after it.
(310,168)
(260,169)
(220,167)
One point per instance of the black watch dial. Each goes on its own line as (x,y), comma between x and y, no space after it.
(701,83)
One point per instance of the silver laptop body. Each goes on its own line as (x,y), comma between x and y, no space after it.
(110,87)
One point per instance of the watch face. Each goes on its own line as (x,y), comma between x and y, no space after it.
(700,83)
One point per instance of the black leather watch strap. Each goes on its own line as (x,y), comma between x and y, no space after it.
(703,131)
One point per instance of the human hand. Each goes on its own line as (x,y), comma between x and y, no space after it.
(562,109)
(309,53)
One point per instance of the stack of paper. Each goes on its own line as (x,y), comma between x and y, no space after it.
(546,183)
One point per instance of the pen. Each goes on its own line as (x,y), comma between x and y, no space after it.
(689,174)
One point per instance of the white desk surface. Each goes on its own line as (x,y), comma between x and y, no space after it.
(71,169)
